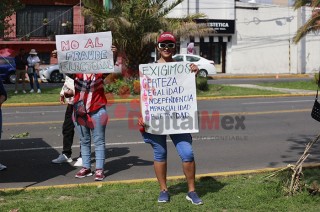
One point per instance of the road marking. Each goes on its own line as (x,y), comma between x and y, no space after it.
(33,112)
(135,118)
(254,103)
(92,145)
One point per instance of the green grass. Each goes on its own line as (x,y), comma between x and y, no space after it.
(47,95)
(309,85)
(238,193)
(52,94)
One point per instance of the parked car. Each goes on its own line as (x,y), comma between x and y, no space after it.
(206,67)
(8,69)
(51,73)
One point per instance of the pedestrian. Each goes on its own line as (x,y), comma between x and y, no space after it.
(33,69)
(66,96)
(183,142)
(90,119)
(3,98)
(21,64)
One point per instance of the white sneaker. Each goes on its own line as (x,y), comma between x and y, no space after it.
(16,92)
(78,162)
(39,91)
(23,91)
(62,159)
(31,91)
(2,167)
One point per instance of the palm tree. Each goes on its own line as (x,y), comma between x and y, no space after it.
(313,24)
(136,24)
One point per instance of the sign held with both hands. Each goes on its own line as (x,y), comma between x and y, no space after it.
(85,53)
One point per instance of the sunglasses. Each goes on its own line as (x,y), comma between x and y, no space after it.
(166,45)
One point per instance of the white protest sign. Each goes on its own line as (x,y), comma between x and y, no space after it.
(168,98)
(85,53)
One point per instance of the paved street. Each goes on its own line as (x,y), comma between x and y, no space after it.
(276,131)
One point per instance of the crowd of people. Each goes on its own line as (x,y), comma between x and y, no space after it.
(86,112)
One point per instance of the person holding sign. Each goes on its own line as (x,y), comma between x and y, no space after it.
(183,142)
(90,118)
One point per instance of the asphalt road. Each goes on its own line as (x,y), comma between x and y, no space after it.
(272,132)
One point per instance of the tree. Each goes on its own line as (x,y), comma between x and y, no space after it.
(313,23)
(7,8)
(136,24)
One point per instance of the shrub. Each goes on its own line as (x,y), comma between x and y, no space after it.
(125,86)
(202,83)
(124,90)
(136,87)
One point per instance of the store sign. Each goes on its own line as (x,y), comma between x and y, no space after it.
(220,26)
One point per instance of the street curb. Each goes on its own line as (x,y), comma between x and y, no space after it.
(137,99)
(198,176)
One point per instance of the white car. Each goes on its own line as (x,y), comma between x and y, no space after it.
(51,73)
(206,67)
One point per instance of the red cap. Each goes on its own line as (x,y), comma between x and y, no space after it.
(166,36)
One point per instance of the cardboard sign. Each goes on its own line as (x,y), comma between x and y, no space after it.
(168,98)
(85,53)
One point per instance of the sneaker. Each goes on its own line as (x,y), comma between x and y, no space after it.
(2,167)
(84,172)
(23,91)
(99,175)
(164,196)
(39,91)
(78,163)
(16,92)
(62,159)
(194,198)
(31,91)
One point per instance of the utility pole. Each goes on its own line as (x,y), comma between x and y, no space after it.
(301,63)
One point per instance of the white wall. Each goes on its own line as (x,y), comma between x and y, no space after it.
(263,43)
(214,9)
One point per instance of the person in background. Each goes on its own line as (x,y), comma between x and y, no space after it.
(3,98)
(66,96)
(183,142)
(90,118)
(33,68)
(21,63)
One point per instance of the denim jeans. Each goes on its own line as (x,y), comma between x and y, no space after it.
(98,136)
(182,142)
(34,76)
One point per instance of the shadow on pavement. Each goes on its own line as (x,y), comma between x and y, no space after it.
(298,145)
(120,163)
(29,162)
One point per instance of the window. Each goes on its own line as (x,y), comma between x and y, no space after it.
(178,58)
(192,59)
(42,21)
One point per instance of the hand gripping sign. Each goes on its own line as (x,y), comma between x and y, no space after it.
(85,53)
(168,98)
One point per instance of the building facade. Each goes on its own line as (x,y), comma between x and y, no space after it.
(35,26)
(253,36)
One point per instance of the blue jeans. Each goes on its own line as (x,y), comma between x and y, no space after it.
(98,136)
(182,142)
(34,76)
